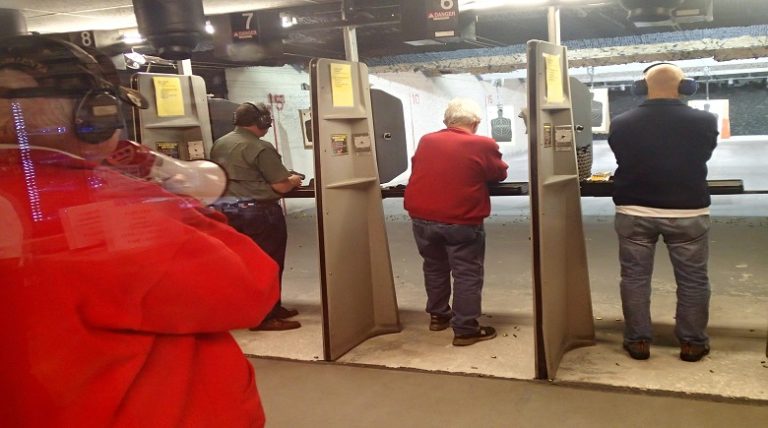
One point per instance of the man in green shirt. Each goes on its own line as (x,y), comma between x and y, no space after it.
(257,179)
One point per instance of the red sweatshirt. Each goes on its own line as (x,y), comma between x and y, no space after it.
(449,175)
(116,298)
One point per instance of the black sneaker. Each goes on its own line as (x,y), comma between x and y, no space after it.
(485,333)
(439,322)
(640,350)
(691,352)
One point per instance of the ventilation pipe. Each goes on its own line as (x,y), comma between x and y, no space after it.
(173,27)
(650,11)
(12,23)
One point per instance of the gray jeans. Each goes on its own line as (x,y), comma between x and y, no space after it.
(458,250)
(687,241)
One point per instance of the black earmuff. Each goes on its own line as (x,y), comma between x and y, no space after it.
(63,69)
(97,116)
(687,86)
(253,114)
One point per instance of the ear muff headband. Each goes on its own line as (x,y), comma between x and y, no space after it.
(97,116)
(258,115)
(687,86)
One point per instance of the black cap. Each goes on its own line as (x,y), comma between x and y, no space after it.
(61,69)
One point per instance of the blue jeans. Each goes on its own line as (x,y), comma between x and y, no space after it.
(687,240)
(456,249)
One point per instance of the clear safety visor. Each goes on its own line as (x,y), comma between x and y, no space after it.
(64,197)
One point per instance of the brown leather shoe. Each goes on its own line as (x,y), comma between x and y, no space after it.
(284,313)
(439,323)
(640,350)
(691,352)
(276,324)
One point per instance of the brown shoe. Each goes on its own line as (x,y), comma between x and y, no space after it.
(276,324)
(691,352)
(284,313)
(640,350)
(439,322)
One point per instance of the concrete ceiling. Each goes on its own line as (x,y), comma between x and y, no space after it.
(320,35)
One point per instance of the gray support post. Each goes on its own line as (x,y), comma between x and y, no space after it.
(553,24)
(184,67)
(350,43)
(349,32)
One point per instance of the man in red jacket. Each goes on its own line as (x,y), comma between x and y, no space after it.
(116,297)
(447,198)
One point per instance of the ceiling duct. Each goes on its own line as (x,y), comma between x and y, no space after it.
(433,22)
(692,11)
(173,27)
(12,23)
(649,13)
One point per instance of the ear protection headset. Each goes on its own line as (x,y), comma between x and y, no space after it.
(62,69)
(687,86)
(97,116)
(248,114)
(99,112)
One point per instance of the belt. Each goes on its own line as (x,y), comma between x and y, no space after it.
(246,203)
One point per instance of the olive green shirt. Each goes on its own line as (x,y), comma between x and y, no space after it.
(251,163)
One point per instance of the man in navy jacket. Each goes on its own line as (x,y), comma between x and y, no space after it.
(660,188)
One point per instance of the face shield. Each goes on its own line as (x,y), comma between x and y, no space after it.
(71,190)
(201,179)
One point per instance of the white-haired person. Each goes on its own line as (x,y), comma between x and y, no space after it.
(448,199)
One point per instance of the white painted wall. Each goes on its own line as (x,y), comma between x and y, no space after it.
(424,100)
(256,84)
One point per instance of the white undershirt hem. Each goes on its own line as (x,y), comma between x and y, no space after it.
(641,211)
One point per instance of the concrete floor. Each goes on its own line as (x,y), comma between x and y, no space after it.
(736,369)
(322,395)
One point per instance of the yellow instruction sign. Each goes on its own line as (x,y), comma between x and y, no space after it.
(168,96)
(554,75)
(341,85)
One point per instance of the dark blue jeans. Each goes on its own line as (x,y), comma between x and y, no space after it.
(687,241)
(458,250)
(265,224)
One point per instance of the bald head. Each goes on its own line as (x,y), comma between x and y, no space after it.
(663,81)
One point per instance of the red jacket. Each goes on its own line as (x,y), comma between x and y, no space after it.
(449,175)
(116,298)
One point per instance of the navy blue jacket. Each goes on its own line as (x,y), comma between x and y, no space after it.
(662,148)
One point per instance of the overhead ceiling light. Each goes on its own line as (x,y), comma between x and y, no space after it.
(134,60)
(133,38)
(209,27)
(288,21)
(492,4)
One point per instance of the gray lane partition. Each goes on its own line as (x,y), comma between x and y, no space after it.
(562,302)
(358,290)
(177,121)
(581,107)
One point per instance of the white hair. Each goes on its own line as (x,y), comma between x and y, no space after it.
(462,111)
